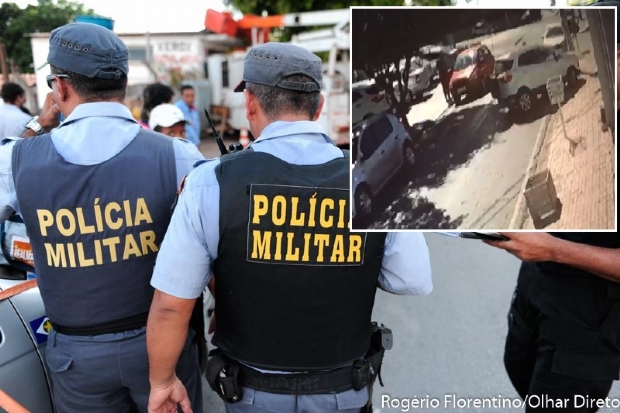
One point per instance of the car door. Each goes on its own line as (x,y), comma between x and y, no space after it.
(374,146)
(388,147)
(21,369)
(488,61)
(369,158)
(526,74)
(546,65)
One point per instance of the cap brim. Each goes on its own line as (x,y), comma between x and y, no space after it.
(240,87)
(184,122)
(43,65)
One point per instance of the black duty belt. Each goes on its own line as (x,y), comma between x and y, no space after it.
(356,376)
(337,380)
(118,326)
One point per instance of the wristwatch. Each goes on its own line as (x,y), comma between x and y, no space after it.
(35,126)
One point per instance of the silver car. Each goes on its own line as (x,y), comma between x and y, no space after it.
(381,147)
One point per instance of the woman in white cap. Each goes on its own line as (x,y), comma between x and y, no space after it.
(169,120)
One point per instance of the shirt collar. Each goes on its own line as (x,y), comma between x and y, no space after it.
(283,128)
(99,109)
(10,106)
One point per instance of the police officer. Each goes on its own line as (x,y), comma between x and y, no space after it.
(294,288)
(95,195)
(564,323)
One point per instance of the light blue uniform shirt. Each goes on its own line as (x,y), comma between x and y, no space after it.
(91,134)
(12,120)
(191,242)
(192,129)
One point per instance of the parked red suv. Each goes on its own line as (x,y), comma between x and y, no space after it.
(472,72)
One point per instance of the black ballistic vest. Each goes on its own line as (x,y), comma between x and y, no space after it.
(95,230)
(597,239)
(294,287)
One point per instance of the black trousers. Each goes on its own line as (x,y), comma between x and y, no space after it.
(563,345)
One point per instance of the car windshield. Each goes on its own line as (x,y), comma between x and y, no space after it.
(554,32)
(464,61)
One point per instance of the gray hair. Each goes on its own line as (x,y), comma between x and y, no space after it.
(276,101)
(95,89)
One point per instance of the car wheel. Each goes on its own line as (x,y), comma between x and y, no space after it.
(408,154)
(524,100)
(456,97)
(572,76)
(363,201)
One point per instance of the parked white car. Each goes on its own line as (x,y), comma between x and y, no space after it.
(367,99)
(420,76)
(522,75)
(381,147)
(554,35)
(433,54)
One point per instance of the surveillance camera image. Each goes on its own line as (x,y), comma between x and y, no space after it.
(491,119)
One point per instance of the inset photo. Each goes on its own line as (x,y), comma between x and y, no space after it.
(483,119)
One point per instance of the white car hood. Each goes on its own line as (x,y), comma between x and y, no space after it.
(553,41)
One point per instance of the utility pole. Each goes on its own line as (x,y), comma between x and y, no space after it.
(602,25)
(567,34)
(3,66)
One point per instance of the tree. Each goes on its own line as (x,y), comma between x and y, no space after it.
(390,40)
(15,23)
(385,41)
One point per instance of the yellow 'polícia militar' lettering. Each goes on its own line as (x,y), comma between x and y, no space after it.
(299,225)
(280,206)
(113,216)
(314,244)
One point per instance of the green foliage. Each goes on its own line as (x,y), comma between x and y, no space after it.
(389,35)
(43,17)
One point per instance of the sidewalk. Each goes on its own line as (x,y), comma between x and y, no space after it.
(585,181)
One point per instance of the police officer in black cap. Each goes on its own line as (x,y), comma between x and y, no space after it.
(563,341)
(294,288)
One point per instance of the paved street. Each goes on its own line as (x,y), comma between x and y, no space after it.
(451,341)
(471,159)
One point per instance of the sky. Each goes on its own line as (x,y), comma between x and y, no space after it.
(137,16)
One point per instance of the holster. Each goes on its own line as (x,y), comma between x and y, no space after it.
(227,377)
(223,377)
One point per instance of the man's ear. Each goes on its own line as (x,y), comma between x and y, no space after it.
(317,115)
(63,89)
(250,105)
